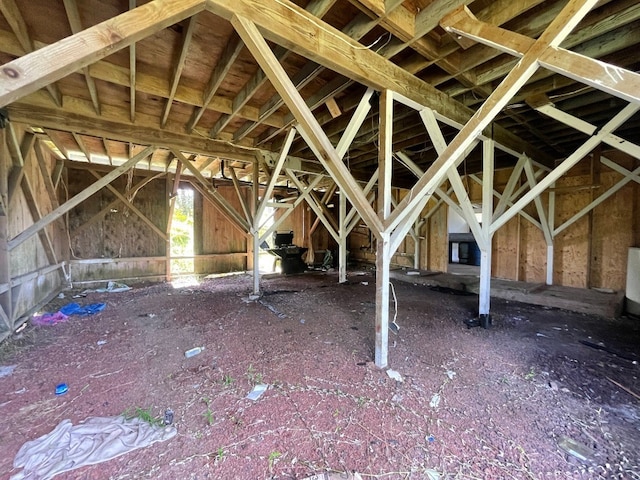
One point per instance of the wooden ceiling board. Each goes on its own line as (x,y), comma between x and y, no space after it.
(608,33)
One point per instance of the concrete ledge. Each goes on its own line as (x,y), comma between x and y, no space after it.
(581,300)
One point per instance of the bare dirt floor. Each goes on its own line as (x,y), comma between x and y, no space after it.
(543,394)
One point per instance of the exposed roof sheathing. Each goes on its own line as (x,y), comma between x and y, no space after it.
(185,79)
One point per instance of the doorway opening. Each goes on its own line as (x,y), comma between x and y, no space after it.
(464,254)
(181,234)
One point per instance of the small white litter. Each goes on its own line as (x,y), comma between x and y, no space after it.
(395,375)
(435,400)
(7,371)
(257,391)
(451,374)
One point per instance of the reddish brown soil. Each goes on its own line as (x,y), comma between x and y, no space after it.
(508,394)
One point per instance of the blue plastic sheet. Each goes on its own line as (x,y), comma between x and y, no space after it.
(76,309)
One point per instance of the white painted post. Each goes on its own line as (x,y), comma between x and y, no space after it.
(551,220)
(549,280)
(416,245)
(383,238)
(256,261)
(342,245)
(383,259)
(485,284)
(485,252)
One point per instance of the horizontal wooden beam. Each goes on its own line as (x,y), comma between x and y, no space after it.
(612,79)
(36,70)
(66,120)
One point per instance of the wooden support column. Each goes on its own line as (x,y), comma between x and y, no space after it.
(566,164)
(485,249)
(308,127)
(383,241)
(6,310)
(172,188)
(383,260)
(255,235)
(551,220)
(313,203)
(342,234)
(416,244)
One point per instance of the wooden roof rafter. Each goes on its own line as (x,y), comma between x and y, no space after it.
(356,29)
(318,8)
(71,7)
(132,72)
(179,66)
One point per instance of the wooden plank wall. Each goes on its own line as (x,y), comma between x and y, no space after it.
(33,277)
(119,233)
(219,236)
(433,242)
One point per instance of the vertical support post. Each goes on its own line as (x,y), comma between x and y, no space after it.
(485,251)
(6,311)
(256,212)
(172,188)
(416,244)
(551,220)
(383,241)
(342,233)
(255,235)
(383,259)
(342,237)
(168,188)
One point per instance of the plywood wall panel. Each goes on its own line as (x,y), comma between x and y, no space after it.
(612,235)
(505,252)
(219,236)
(533,253)
(571,247)
(119,233)
(438,241)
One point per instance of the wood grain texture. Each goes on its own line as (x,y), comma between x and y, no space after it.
(31,72)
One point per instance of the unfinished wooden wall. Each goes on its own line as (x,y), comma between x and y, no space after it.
(432,235)
(33,271)
(108,240)
(590,253)
(219,246)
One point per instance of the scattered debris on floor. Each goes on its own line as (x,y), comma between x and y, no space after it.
(257,391)
(395,375)
(76,309)
(192,352)
(7,370)
(473,403)
(273,309)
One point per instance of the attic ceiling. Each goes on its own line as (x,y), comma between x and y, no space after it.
(195,86)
